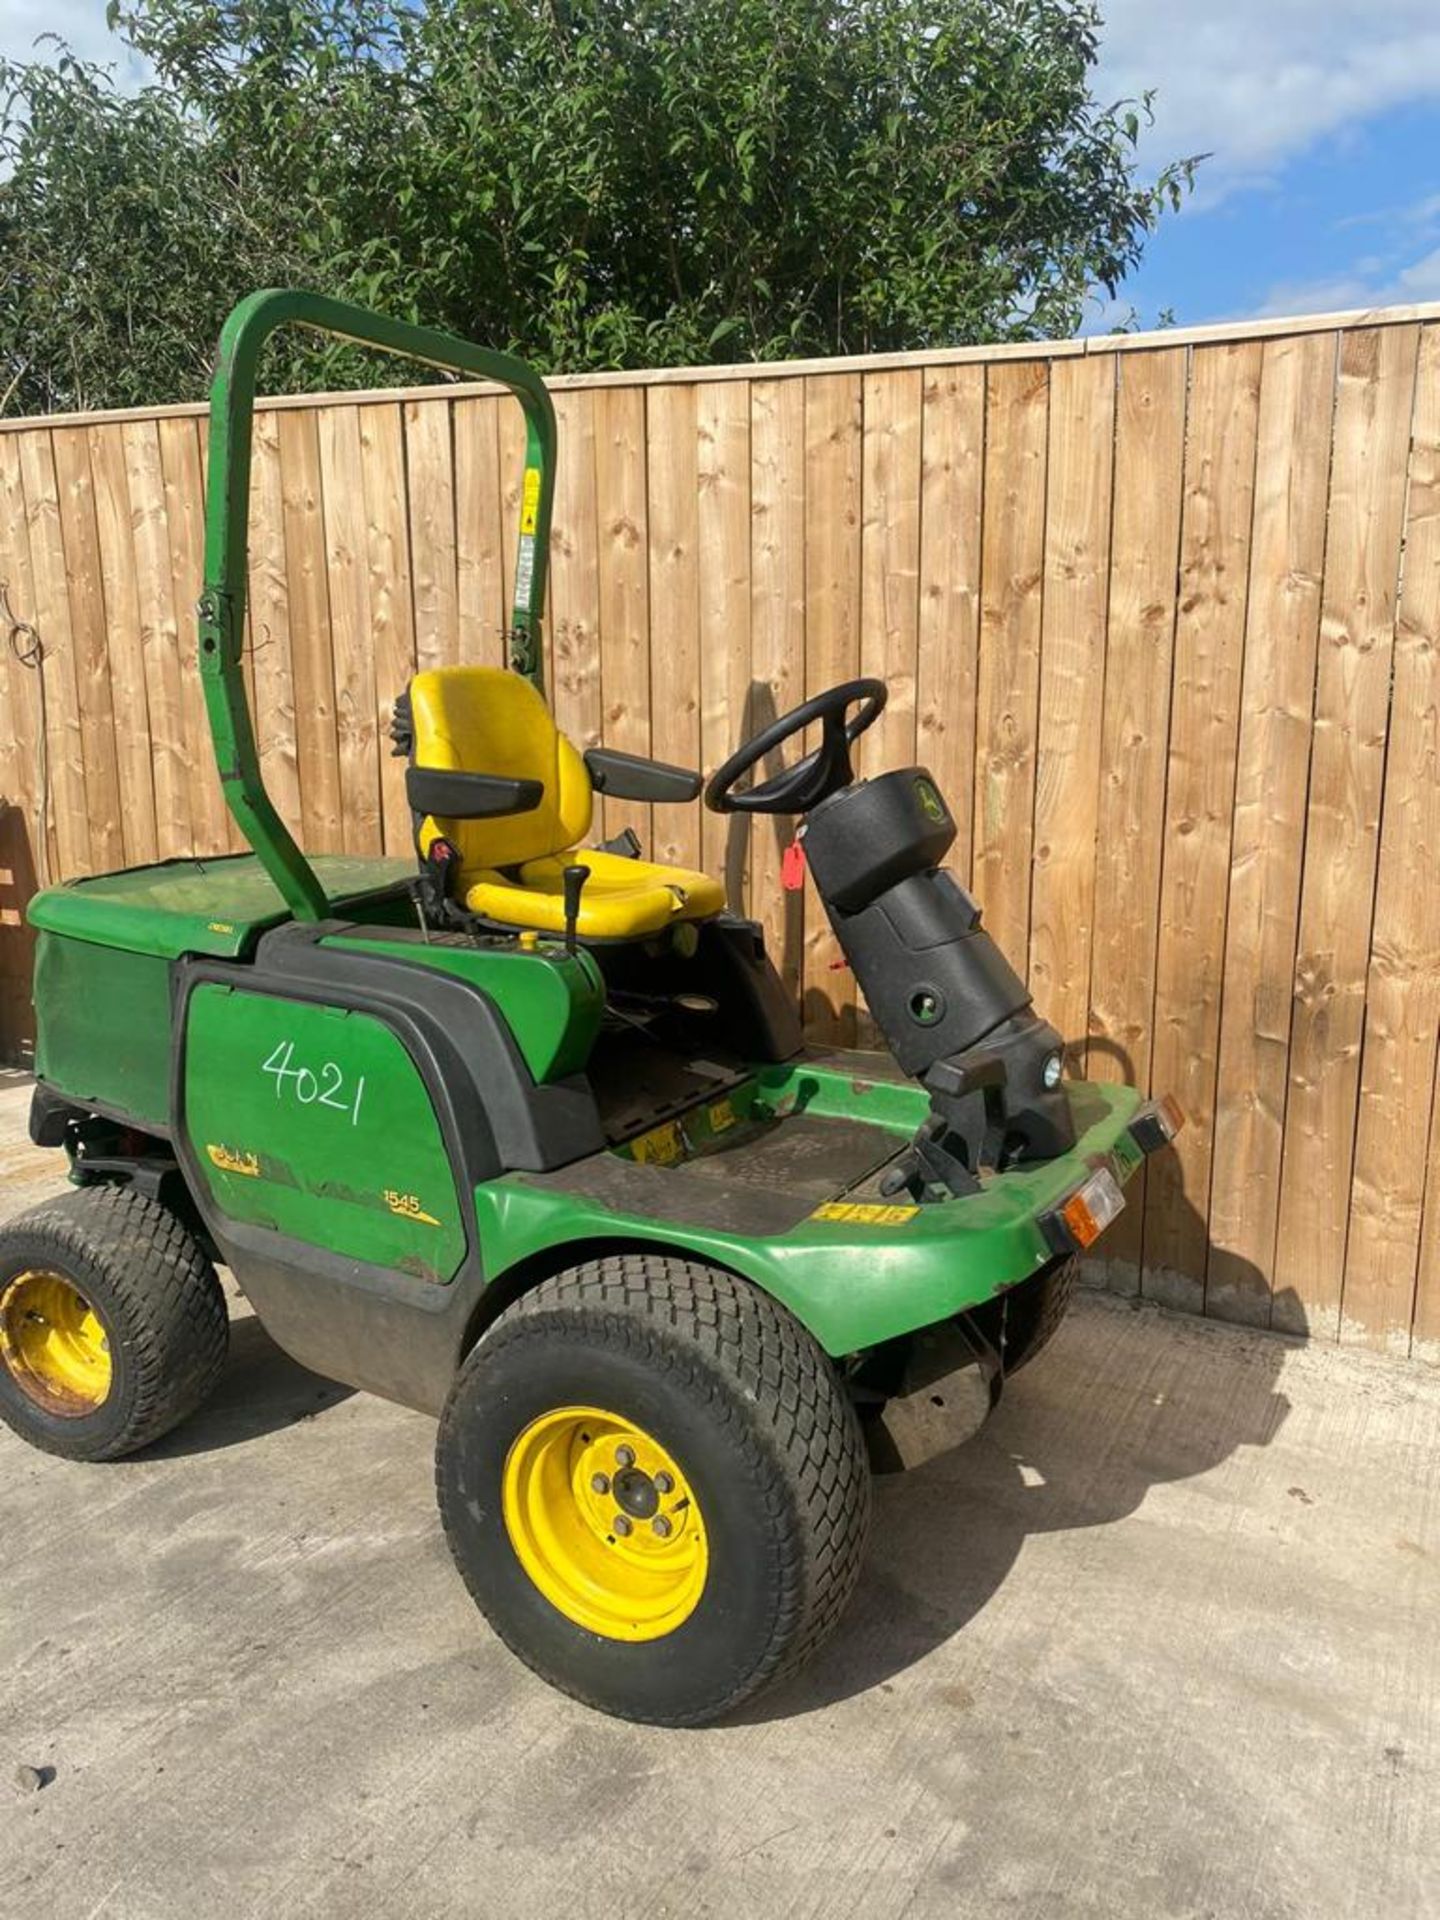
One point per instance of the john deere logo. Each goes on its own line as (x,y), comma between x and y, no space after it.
(930,801)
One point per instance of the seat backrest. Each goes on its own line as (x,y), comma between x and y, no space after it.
(489,720)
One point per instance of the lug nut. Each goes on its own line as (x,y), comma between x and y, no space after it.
(661,1526)
(663,1483)
(600,1483)
(620,1525)
(624,1456)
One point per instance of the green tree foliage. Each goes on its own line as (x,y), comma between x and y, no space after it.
(590,182)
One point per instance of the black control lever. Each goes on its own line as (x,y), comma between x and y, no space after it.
(573,879)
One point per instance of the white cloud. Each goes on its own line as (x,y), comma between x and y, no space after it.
(1255,82)
(1401,266)
(1337,293)
(79,23)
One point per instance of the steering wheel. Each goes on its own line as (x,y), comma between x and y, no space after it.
(825,771)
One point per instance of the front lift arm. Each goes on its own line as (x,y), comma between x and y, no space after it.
(227,516)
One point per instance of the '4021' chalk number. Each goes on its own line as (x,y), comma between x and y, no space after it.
(323,1087)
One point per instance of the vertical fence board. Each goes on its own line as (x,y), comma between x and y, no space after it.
(1200,793)
(26,861)
(511,433)
(674,607)
(81,541)
(122,643)
(1072,690)
(890,574)
(1402,1006)
(22,749)
(833,542)
(183,469)
(952,481)
(1012,584)
(159,636)
(269,587)
(1347,760)
(1281,632)
(574,679)
(430,486)
(228,837)
(64,746)
(482,589)
(1144,545)
(312,661)
(392,613)
(722,419)
(342,487)
(624,590)
(777,637)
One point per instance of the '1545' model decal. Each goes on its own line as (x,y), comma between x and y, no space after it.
(408,1206)
(235,1160)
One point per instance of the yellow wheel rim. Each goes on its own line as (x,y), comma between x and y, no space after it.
(54,1345)
(605,1523)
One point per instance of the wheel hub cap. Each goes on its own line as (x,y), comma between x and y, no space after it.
(54,1345)
(605,1523)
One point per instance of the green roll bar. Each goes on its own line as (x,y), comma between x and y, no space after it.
(227,531)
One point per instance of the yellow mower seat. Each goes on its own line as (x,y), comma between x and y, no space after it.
(488,720)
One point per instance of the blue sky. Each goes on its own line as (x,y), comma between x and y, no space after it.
(1323,121)
(1322,117)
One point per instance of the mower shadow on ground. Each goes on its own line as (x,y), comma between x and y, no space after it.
(1121,1403)
(261,1391)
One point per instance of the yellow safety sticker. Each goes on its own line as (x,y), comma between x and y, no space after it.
(235,1160)
(530,500)
(864,1213)
(661,1147)
(722,1116)
(221,926)
(408,1206)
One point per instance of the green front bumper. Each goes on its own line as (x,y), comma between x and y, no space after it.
(855,1272)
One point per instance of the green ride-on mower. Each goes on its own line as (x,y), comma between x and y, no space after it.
(527,1135)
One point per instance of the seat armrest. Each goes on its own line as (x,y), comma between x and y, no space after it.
(469,796)
(629,776)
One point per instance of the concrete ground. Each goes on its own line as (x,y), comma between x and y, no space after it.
(1161,1642)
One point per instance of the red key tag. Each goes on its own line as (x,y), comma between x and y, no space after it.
(792,867)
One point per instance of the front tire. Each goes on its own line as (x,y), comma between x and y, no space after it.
(654,1487)
(1033,1312)
(113,1326)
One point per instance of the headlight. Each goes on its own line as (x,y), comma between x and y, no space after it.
(1083,1215)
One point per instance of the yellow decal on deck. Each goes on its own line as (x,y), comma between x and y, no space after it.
(530,500)
(661,1147)
(235,1160)
(408,1206)
(722,1116)
(221,926)
(864,1213)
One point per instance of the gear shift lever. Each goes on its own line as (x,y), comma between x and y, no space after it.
(573,879)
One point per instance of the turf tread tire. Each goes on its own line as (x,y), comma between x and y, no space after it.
(160,1297)
(766,1383)
(1046,1309)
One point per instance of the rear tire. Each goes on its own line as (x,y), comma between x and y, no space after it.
(113,1326)
(643,1372)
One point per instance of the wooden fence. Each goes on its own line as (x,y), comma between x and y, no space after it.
(1161,614)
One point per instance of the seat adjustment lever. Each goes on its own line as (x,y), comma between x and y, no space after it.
(573,879)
